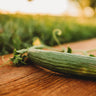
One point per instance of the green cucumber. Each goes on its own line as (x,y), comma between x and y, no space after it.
(65,63)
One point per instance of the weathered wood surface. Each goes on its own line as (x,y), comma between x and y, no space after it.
(34,81)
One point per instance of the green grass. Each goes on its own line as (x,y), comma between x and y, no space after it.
(17,31)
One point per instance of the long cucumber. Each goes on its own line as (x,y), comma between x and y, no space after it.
(65,63)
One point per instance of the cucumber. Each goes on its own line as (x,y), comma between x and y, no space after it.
(65,63)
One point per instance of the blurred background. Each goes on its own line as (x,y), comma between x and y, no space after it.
(24,23)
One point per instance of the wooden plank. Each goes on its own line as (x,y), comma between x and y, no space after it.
(35,81)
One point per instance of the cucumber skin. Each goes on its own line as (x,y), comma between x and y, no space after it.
(65,63)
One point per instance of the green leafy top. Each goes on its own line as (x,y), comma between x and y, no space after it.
(19,58)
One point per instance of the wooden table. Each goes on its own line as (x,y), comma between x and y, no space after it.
(35,81)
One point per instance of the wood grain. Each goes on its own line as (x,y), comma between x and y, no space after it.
(35,81)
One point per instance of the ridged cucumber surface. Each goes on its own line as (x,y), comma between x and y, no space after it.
(64,62)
